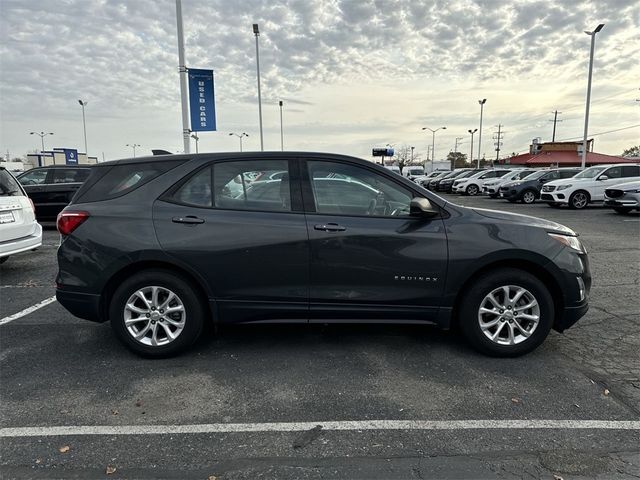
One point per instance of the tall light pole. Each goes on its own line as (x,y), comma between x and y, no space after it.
(472,132)
(83,103)
(256,32)
(433,142)
(586,114)
(412,149)
(182,68)
(41,135)
(197,139)
(240,135)
(133,145)
(281,128)
(455,150)
(481,102)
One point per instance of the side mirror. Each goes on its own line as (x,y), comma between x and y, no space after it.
(603,177)
(543,180)
(421,207)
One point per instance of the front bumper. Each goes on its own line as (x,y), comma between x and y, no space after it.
(18,245)
(554,197)
(509,193)
(570,316)
(459,188)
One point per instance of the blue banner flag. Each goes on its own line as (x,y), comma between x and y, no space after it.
(201,100)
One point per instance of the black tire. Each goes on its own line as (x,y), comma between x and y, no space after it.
(473,299)
(194,310)
(472,190)
(576,200)
(528,196)
(623,210)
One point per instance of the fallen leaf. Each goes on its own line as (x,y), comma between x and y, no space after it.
(557,477)
(212,477)
(110,469)
(138,403)
(114,412)
(606,391)
(64,449)
(38,460)
(515,400)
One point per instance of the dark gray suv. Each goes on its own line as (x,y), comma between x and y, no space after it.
(160,246)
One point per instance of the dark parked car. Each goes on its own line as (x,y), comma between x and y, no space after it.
(528,189)
(446,185)
(160,246)
(435,182)
(51,188)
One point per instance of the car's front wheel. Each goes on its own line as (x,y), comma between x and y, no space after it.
(579,200)
(529,196)
(157,313)
(472,190)
(506,313)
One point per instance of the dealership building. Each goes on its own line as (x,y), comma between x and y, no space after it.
(560,154)
(60,156)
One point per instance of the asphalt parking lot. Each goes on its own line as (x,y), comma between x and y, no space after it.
(327,402)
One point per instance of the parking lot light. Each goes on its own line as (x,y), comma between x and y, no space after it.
(41,135)
(133,145)
(586,113)
(472,132)
(433,142)
(239,135)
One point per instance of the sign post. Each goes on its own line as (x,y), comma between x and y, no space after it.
(202,100)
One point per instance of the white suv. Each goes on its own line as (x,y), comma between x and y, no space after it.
(589,185)
(473,184)
(19,230)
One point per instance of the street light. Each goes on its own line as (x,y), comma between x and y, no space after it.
(240,135)
(256,32)
(83,103)
(281,130)
(433,143)
(41,135)
(197,139)
(481,102)
(586,115)
(471,158)
(134,145)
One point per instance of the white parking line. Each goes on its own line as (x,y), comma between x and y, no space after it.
(28,310)
(302,426)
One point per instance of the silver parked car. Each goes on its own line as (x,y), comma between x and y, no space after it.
(623,198)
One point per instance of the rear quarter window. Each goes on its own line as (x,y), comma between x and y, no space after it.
(115,181)
(9,186)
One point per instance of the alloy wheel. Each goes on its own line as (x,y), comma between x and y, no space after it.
(528,197)
(154,316)
(509,315)
(580,200)
(472,190)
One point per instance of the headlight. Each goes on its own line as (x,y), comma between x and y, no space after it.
(634,190)
(516,184)
(564,187)
(569,241)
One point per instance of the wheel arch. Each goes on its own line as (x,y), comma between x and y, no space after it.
(118,277)
(541,273)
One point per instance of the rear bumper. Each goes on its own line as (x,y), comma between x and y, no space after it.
(81,305)
(23,244)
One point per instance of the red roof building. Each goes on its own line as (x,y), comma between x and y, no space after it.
(561,154)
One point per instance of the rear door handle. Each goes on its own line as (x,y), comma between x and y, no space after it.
(189,219)
(329,227)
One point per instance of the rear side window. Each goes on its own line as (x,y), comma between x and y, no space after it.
(9,186)
(33,177)
(197,190)
(70,175)
(121,179)
(631,171)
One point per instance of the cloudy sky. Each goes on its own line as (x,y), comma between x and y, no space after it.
(353,74)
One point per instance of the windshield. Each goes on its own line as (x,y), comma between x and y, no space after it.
(534,175)
(590,172)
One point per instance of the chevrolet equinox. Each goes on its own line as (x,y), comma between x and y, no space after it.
(160,246)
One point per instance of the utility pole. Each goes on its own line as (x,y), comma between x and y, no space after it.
(588,102)
(555,120)
(281,128)
(498,143)
(83,103)
(182,68)
(256,32)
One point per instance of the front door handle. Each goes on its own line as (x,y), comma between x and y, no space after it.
(329,227)
(189,219)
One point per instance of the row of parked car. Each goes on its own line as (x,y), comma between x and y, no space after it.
(616,185)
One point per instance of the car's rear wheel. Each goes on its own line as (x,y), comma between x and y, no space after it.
(623,210)
(579,200)
(472,190)
(506,313)
(157,313)
(528,196)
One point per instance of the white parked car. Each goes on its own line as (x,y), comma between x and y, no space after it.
(411,172)
(492,187)
(623,198)
(19,230)
(425,179)
(473,184)
(589,185)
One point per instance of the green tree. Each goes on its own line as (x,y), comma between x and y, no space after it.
(632,152)
(457,160)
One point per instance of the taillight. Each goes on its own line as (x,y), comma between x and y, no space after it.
(68,221)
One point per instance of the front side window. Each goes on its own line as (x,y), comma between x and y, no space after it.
(250,185)
(550,176)
(35,177)
(340,189)
(567,173)
(615,172)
